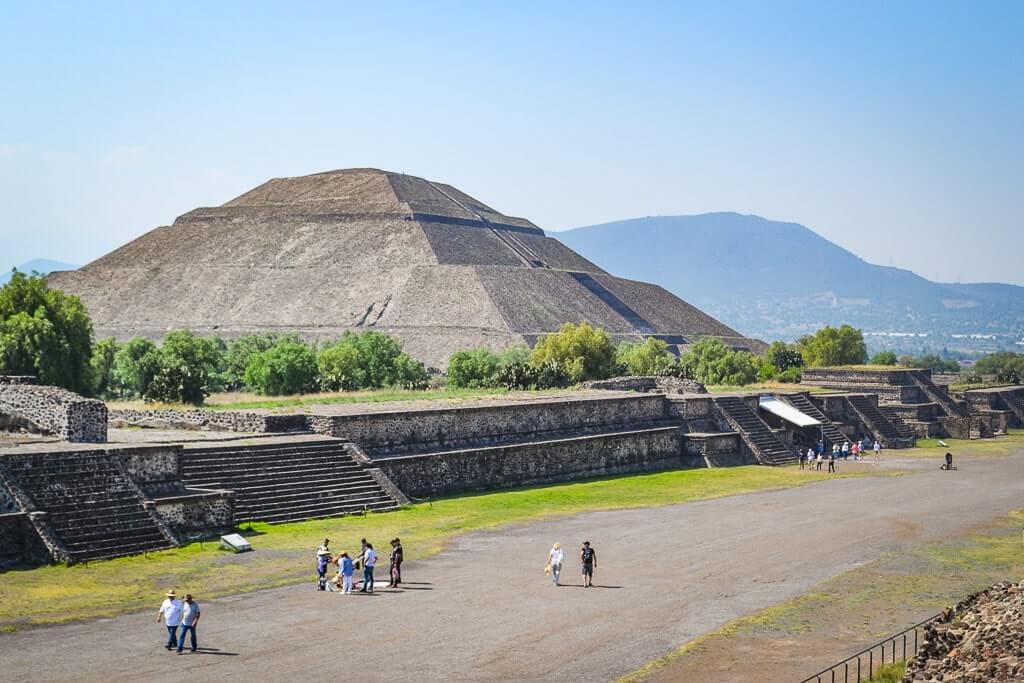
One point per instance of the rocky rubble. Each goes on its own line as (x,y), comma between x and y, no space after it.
(980,639)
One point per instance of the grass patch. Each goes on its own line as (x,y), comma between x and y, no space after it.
(766,387)
(890,673)
(284,553)
(1003,445)
(249,401)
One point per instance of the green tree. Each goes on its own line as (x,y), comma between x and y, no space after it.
(783,356)
(368,360)
(650,357)
(186,365)
(884,358)
(833,346)
(287,367)
(712,362)
(472,368)
(135,365)
(241,350)
(1007,366)
(105,382)
(584,353)
(46,333)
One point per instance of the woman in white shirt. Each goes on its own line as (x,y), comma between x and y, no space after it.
(555,558)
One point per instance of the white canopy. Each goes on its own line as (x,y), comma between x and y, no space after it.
(787,412)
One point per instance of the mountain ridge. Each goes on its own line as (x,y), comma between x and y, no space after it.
(778,279)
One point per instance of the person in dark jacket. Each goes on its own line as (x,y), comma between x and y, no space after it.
(397,555)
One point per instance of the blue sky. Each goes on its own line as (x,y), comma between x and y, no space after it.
(892,129)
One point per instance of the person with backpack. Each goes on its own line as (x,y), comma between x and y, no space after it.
(588,560)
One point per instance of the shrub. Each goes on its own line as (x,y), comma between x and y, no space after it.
(884,358)
(712,362)
(583,352)
(1007,366)
(105,382)
(186,365)
(287,367)
(650,357)
(240,352)
(790,376)
(783,356)
(474,368)
(46,333)
(135,365)
(833,346)
(523,376)
(368,360)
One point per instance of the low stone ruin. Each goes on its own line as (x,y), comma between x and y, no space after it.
(648,385)
(980,639)
(51,411)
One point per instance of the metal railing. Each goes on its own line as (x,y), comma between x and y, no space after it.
(861,666)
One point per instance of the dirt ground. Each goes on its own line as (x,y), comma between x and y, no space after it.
(483,609)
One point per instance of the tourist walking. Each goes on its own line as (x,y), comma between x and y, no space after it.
(189,620)
(170,613)
(832,462)
(878,451)
(810,458)
(846,450)
(818,462)
(358,562)
(555,558)
(369,562)
(588,561)
(395,568)
(855,450)
(801,456)
(323,558)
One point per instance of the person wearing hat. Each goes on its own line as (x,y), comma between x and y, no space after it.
(323,558)
(555,558)
(170,613)
(189,620)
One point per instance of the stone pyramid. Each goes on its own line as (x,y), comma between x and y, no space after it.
(361,249)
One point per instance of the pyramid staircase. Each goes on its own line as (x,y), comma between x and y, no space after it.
(806,406)
(876,421)
(766,447)
(1015,404)
(93,509)
(937,394)
(903,430)
(287,481)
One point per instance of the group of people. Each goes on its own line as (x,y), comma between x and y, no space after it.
(813,458)
(366,560)
(178,615)
(588,562)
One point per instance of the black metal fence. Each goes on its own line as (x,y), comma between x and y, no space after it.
(861,666)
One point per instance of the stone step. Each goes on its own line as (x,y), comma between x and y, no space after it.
(120,537)
(323,512)
(228,452)
(110,553)
(334,464)
(77,525)
(257,484)
(300,498)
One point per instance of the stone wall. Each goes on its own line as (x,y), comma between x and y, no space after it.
(19,543)
(407,432)
(19,380)
(534,463)
(648,385)
(198,514)
(209,420)
(53,411)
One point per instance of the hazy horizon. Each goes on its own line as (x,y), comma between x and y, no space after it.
(890,130)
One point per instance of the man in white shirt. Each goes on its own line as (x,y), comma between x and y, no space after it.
(170,612)
(369,562)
